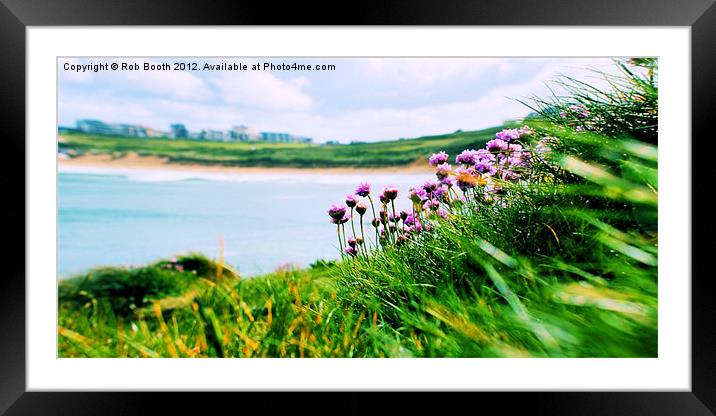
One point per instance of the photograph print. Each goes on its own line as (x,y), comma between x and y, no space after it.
(357,207)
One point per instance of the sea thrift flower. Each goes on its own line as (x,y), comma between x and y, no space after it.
(514,148)
(509,175)
(438,159)
(361,208)
(514,161)
(526,158)
(337,211)
(497,145)
(404,215)
(414,196)
(432,204)
(375,222)
(447,181)
(430,186)
(484,155)
(526,131)
(443,170)
(351,250)
(351,201)
(339,221)
(410,220)
(359,240)
(390,192)
(579,128)
(363,189)
(440,192)
(464,185)
(401,240)
(467,157)
(579,110)
(486,168)
(420,227)
(508,135)
(383,198)
(352,242)
(464,178)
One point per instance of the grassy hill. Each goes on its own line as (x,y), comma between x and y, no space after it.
(381,154)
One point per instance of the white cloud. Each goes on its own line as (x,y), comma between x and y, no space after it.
(428,71)
(300,82)
(257,89)
(102,107)
(488,110)
(181,85)
(269,103)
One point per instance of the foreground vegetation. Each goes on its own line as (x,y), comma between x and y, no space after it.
(557,258)
(380,154)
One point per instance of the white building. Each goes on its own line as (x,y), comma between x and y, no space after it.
(243,133)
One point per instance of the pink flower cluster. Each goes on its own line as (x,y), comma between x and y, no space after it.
(481,177)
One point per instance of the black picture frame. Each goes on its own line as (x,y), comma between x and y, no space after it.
(16,15)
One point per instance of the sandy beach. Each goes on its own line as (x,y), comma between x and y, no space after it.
(135,161)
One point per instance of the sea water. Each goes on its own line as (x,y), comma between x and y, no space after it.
(131,217)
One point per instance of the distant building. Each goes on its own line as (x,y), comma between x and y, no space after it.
(95,127)
(131,130)
(275,137)
(64,130)
(212,135)
(150,132)
(243,133)
(179,131)
(283,138)
(100,127)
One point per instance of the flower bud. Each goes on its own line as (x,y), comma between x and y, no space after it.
(390,193)
(351,201)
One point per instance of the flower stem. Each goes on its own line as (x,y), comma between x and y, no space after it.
(340,243)
(377,239)
(344,234)
(353,226)
(395,215)
(362,234)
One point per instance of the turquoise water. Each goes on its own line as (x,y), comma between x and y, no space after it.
(118,217)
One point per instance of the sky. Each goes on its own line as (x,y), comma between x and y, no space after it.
(363,99)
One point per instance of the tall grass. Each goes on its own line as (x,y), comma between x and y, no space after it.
(560,263)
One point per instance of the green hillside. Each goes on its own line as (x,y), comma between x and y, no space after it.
(381,154)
